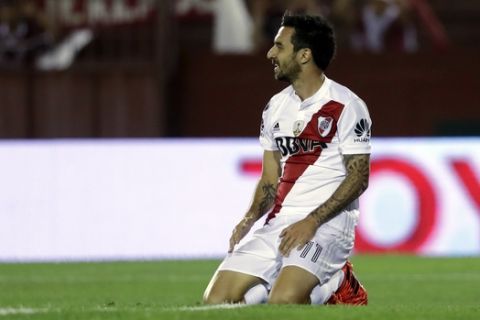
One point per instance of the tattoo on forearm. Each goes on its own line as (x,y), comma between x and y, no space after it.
(269,190)
(358,166)
(355,183)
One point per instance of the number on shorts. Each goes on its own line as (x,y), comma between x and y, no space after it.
(308,247)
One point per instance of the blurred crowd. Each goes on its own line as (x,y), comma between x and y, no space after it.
(27,35)
(24,32)
(376,25)
(361,25)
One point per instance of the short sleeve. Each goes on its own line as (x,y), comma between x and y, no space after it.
(354,128)
(266,138)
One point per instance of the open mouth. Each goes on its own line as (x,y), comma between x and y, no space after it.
(276,67)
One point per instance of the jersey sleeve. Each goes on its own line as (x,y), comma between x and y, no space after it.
(354,128)
(266,138)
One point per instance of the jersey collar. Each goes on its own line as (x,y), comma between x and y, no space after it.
(321,92)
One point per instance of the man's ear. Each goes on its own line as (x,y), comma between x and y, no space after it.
(305,55)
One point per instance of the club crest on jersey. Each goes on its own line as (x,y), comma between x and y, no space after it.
(324,125)
(298,127)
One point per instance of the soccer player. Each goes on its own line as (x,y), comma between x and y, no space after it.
(316,140)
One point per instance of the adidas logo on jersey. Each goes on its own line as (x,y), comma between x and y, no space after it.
(362,130)
(262,129)
(276,127)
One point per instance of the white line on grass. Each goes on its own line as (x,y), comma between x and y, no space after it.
(20,310)
(8,311)
(175,309)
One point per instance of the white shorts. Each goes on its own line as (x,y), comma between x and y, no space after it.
(259,256)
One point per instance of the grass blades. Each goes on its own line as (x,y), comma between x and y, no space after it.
(399,287)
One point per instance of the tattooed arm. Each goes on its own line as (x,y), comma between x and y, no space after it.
(355,183)
(263,197)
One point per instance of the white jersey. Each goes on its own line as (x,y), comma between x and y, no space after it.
(312,137)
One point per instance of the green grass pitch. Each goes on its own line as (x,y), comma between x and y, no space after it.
(400,287)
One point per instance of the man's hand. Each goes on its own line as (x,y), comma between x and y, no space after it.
(297,235)
(240,231)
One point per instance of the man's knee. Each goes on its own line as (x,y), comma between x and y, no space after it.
(218,293)
(293,286)
(216,297)
(228,287)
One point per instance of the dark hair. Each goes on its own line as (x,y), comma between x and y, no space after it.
(312,32)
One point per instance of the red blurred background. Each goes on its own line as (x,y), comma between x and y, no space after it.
(150,70)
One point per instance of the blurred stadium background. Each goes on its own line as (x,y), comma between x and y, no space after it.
(128,127)
(128,131)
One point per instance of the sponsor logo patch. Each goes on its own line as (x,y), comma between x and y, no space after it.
(362,130)
(294,145)
(298,127)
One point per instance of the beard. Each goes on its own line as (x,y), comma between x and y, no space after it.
(289,72)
